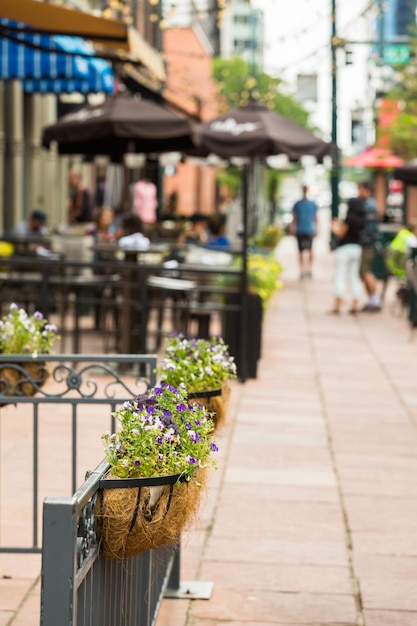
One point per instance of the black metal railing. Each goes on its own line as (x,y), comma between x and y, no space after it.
(127,306)
(48,440)
(83,588)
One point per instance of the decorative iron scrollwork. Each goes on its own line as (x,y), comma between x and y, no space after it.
(87,539)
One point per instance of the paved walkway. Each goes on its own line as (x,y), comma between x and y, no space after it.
(311,518)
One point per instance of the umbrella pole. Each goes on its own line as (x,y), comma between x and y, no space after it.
(244,288)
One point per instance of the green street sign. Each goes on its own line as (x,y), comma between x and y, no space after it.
(396,54)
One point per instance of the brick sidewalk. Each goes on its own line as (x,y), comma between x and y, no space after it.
(314,518)
(311,518)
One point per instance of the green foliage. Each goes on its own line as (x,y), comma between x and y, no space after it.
(230,178)
(404,133)
(237,86)
(199,364)
(268,237)
(160,434)
(21,333)
(404,130)
(264,273)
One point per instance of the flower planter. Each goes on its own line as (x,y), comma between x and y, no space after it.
(138,514)
(215,401)
(23,378)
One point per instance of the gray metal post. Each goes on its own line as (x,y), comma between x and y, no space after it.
(335,171)
(58,563)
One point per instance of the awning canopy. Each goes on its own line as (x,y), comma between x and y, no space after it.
(374,158)
(48,64)
(108,36)
(137,81)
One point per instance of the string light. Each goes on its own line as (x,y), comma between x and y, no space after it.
(324,48)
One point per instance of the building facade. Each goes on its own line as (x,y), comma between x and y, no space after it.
(242,34)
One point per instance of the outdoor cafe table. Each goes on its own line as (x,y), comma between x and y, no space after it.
(191,289)
(133,292)
(40,288)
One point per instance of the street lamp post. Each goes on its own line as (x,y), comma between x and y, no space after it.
(335,171)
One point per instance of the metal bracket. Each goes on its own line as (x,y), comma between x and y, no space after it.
(190,590)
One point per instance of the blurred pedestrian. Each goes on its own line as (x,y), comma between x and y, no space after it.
(400,249)
(105,228)
(217,238)
(130,234)
(370,237)
(197,230)
(348,255)
(80,205)
(33,227)
(304,227)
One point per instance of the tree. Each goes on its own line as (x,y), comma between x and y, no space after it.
(236,85)
(404,129)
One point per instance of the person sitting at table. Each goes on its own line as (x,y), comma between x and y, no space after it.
(80,205)
(197,230)
(34,227)
(217,238)
(130,234)
(104,226)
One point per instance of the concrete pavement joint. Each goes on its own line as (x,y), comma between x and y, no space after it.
(237,389)
(23,601)
(354,580)
(389,382)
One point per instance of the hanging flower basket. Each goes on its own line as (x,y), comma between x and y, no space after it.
(23,379)
(215,401)
(26,335)
(138,514)
(157,459)
(205,368)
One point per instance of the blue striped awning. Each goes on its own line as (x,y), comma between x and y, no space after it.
(51,64)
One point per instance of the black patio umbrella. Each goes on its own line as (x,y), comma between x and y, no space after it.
(121,124)
(254,131)
(407,172)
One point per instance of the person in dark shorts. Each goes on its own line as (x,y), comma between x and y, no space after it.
(369,238)
(305,228)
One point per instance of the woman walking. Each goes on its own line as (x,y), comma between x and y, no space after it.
(348,255)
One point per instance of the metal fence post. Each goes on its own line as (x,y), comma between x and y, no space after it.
(58,599)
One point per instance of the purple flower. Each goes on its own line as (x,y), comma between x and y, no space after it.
(213,447)
(181,407)
(159,440)
(38,315)
(191,460)
(136,463)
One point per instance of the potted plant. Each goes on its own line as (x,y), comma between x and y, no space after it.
(157,460)
(27,335)
(268,238)
(204,367)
